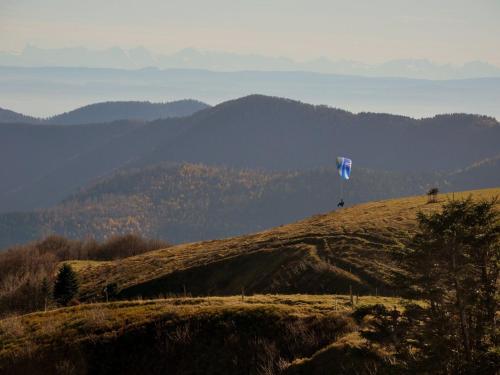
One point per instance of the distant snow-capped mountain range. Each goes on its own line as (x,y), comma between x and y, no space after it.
(192,58)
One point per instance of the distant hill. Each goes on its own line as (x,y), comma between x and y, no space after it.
(40,165)
(195,202)
(14,117)
(47,90)
(184,203)
(487,171)
(274,133)
(111,111)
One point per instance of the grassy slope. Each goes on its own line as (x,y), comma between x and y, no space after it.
(323,254)
(183,335)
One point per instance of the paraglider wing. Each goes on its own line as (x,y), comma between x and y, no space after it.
(344,167)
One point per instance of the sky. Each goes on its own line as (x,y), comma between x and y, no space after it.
(371,31)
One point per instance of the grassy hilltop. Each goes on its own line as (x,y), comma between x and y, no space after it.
(213,335)
(323,254)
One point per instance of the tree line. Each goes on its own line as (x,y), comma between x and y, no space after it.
(27,272)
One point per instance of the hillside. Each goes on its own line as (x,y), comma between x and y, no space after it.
(41,165)
(324,254)
(104,112)
(14,117)
(185,203)
(279,134)
(114,111)
(487,171)
(257,335)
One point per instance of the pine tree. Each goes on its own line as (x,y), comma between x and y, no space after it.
(453,264)
(66,285)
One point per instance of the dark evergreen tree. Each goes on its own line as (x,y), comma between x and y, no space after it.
(66,285)
(452,264)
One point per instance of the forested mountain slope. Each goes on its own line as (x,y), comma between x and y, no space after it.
(41,165)
(191,202)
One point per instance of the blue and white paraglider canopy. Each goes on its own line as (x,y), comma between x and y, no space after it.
(344,167)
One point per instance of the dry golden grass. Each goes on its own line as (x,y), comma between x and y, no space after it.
(100,320)
(353,244)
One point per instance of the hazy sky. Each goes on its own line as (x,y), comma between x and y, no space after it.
(370,31)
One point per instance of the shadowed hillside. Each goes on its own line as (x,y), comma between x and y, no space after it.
(110,111)
(184,203)
(275,133)
(189,335)
(41,165)
(324,254)
(113,111)
(188,202)
(37,162)
(14,117)
(487,171)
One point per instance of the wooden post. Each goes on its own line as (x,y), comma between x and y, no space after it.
(184,287)
(350,295)
(242,293)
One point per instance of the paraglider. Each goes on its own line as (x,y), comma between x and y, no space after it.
(344,167)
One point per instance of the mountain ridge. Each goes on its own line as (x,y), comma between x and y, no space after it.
(194,58)
(254,132)
(110,111)
(55,90)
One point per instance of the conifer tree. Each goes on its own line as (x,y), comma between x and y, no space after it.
(66,285)
(453,264)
